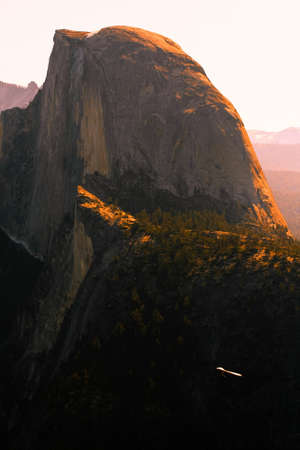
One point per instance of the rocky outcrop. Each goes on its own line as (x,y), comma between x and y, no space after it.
(12,95)
(131,118)
(132,107)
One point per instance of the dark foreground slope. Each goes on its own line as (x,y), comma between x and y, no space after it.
(172,302)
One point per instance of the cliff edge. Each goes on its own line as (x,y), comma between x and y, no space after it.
(131,107)
(129,117)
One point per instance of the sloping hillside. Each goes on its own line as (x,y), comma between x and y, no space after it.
(180,294)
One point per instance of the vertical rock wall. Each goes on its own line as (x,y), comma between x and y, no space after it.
(127,112)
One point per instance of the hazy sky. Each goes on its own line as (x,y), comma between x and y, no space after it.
(248,48)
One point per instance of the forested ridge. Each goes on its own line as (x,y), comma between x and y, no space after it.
(189,292)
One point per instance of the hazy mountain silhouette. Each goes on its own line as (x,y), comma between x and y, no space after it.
(277,150)
(12,95)
(289,135)
(285,186)
(279,155)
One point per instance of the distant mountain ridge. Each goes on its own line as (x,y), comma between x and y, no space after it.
(285,186)
(289,136)
(279,155)
(12,95)
(277,150)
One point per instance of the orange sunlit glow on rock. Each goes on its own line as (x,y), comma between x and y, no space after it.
(109,212)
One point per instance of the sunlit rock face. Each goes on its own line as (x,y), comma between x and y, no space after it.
(128,116)
(131,108)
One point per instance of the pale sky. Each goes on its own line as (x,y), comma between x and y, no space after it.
(248,48)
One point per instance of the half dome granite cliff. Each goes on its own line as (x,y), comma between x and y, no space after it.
(129,117)
(130,107)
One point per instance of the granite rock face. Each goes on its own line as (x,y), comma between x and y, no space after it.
(131,107)
(127,115)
